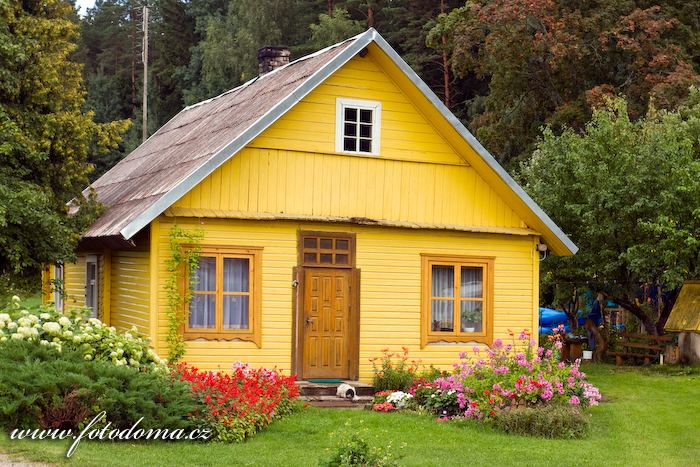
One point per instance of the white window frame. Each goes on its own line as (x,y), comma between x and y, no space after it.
(341,104)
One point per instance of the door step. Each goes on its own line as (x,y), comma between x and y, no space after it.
(331,389)
(326,394)
(335,402)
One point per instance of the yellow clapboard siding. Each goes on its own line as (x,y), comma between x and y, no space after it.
(130,290)
(74,282)
(305,183)
(389,260)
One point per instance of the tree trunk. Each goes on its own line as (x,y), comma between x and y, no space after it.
(646,320)
(666,311)
(370,16)
(445,62)
(330,7)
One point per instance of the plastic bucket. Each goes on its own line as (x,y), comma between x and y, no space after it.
(588,355)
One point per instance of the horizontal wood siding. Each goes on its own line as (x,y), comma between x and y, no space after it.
(129,301)
(389,260)
(302,183)
(74,283)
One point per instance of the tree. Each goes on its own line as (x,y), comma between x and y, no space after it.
(628,194)
(552,61)
(45,135)
(333,29)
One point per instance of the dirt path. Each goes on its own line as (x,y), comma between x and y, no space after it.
(7,461)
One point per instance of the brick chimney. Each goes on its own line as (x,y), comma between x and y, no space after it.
(271,57)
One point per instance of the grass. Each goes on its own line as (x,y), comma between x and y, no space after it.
(650,418)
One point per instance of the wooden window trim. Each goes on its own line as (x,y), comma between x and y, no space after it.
(253,334)
(429,336)
(350,237)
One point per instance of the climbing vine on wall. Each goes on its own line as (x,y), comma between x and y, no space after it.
(185,249)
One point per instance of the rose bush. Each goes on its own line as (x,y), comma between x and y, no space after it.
(75,331)
(235,406)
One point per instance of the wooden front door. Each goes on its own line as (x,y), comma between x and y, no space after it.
(327,331)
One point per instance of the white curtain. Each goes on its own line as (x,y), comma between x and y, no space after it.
(472,282)
(442,316)
(203,306)
(236,279)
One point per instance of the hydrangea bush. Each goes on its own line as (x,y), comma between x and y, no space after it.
(74,330)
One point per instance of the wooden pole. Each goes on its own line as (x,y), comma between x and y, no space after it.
(145,75)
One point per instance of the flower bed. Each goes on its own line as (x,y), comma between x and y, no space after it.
(505,377)
(235,406)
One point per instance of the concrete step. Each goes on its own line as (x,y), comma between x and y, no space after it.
(335,402)
(330,389)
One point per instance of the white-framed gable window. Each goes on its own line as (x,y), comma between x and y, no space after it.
(357,126)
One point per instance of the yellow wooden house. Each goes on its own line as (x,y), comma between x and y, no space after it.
(343,209)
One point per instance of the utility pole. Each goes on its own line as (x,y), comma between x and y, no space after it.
(144,59)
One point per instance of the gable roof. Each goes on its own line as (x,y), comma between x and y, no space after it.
(685,315)
(202,137)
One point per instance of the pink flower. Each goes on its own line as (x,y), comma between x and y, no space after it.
(497,344)
(574,400)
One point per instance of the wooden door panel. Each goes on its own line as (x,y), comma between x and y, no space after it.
(326,323)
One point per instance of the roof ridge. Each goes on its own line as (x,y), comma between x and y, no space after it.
(276,70)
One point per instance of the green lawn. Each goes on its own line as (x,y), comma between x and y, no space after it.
(650,418)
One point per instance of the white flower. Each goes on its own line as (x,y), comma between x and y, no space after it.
(33,319)
(27,331)
(128,335)
(64,321)
(95,322)
(52,327)
(17,336)
(68,334)
(3,338)
(4,317)
(44,342)
(2,324)
(45,316)
(87,356)
(15,298)
(11,325)
(24,321)
(399,399)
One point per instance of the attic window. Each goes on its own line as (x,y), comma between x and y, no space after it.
(357,126)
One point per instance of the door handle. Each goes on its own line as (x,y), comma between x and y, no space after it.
(308,321)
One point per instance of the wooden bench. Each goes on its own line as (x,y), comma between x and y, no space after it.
(642,346)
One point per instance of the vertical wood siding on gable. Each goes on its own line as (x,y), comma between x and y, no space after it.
(405,133)
(389,260)
(130,290)
(302,183)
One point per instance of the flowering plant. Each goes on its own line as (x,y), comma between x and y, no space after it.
(507,376)
(395,371)
(235,406)
(74,330)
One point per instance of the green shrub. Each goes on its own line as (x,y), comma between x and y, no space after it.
(548,421)
(45,325)
(395,372)
(353,449)
(41,387)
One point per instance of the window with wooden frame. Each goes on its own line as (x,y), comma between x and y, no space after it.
(357,126)
(457,300)
(327,249)
(225,293)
